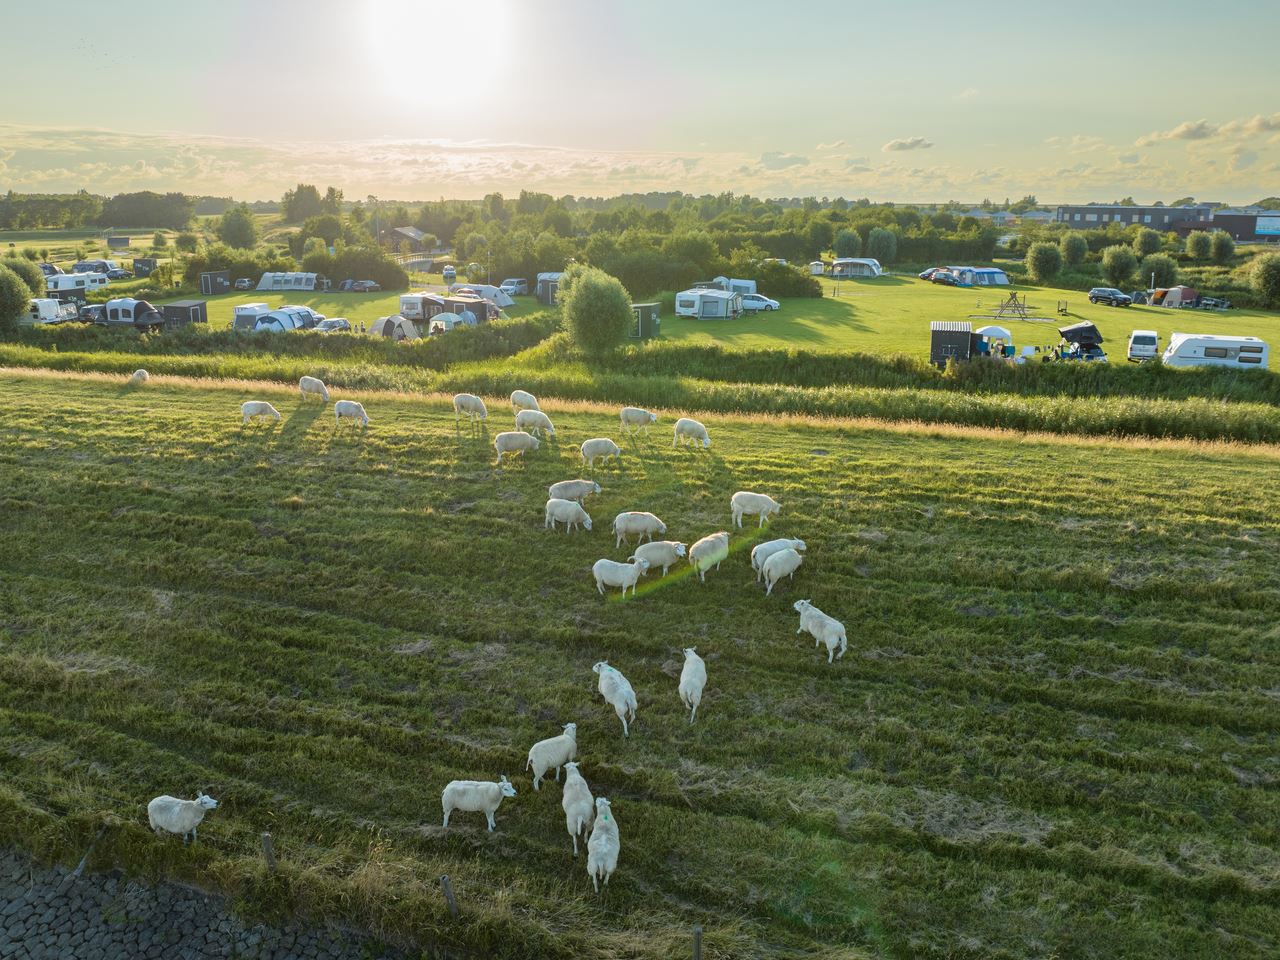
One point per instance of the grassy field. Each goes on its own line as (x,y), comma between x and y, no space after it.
(1053,734)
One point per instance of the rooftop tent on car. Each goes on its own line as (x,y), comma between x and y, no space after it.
(1083,333)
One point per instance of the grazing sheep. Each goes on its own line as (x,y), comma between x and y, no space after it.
(471,405)
(763,551)
(662,553)
(634,419)
(533,421)
(822,628)
(257,408)
(514,441)
(139,377)
(179,816)
(610,573)
(784,563)
(523,401)
(638,522)
(692,679)
(573,490)
(602,848)
(616,690)
(552,752)
(350,410)
(709,552)
(475,796)
(599,447)
(690,431)
(568,512)
(310,386)
(579,808)
(746,502)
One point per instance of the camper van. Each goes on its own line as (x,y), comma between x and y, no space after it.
(47,310)
(708,303)
(75,285)
(1143,345)
(1211,350)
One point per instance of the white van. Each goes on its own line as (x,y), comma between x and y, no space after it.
(47,310)
(1211,350)
(1143,345)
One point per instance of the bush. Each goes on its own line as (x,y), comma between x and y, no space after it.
(848,243)
(159,240)
(1222,248)
(1199,245)
(1162,266)
(882,245)
(1146,242)
(357,263)
(597,310)
(14,298)
(1264,278)
(781,280)
(1118,264)
(238,228)
(29,274)
(187,242)
(1044,261)
(1074,248)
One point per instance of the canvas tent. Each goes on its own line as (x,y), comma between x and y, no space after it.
(397,328)
(980,276)
(845,267)
(1180,296)
(492,294)
(293,281)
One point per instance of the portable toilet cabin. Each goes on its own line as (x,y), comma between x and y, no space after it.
(214,282)
(647,323)
(144,266)
(951,340)
(182,312)
(547,288)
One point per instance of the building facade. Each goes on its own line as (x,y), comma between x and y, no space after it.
(1091,216)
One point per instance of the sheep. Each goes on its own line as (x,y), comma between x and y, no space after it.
(257,408)
(568,512)
(709,552)
(533,421)
(350,410)
(475,796)
(691,431)
(744,501)
(310,386)
(599,447)
(784,563)
(638,522)
(610,573)
(634,419)
(514,441)
(577,490)
(602,848)
(139,377)
(659,552)
(692,679)
(579,808)
(617,691)
(179,816)
(763,551)
(552,752)
(523,401)
(822,628)
(471,405)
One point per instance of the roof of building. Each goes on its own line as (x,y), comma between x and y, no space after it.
(951,326)
(413,233)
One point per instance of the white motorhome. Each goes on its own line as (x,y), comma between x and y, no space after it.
(75,283)
(47,310)
(708,303)
(1212,350)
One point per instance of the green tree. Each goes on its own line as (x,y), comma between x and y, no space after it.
(1074,247)
(238,228)
(187,242)
(328,227)
(1265,279)
(848,243)
(1118,264)
(29,274)
(1199,246)
(691,246)
(332,202)
(1222,248)
(159,240)
(30,254)
(819,235)
(1044,261)
(1162,266)
(596,309)
(882,245)
(14,299)
(1146,242)
(1029,202)
(301,202)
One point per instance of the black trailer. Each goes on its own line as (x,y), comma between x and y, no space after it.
(951,340)
(182,312)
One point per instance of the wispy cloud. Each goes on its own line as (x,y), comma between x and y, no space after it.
(909,143)
(834,145)
(1187,130)
(1242,129)
(968,93)
(781,161)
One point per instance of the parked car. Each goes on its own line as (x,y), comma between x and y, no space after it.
(1143,345)
(365,286)
(1214,303)
(119,274)
(515,288)
(928,274)
(1110,296)
(755,302)
(1088,351)
(244,283)
(945,278)
(334,325)
(92,313)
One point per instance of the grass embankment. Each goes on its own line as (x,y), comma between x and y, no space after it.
(1053,733)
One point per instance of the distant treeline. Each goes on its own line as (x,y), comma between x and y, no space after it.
(66,211)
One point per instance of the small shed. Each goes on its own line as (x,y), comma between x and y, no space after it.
(817,268)
(951,340)
(648,321)
(397,328)
(548,288)
(182,312)
(214,282)
(117,243)
(144,266)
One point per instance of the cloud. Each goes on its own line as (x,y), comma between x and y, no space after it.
(911,143)
(968,93)
(834,145)
(1127,158)
(1242,159)
(1187,130)
(1251,127)
(781,161)
(1242,129)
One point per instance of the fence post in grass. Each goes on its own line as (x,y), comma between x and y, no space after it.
(697,942)
(269,852)
(448,896)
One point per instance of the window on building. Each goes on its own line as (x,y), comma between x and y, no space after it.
(1091,217)
(1147,218)
(1077,216)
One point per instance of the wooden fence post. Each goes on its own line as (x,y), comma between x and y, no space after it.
(697,942)
(269,852)
(448,896)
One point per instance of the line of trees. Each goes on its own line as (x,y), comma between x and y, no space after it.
(67,211)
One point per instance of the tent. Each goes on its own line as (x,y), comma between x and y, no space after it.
(397,328)
(995,333)
(856,267)
(293,281)
(490,293)
(1083,333)
(990,277)
(1180,296)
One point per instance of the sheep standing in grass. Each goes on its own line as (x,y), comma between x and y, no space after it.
(179,816)
(577,490)
(634,419)
(617,691)
(784,563)
(691,432)
(139,377)
(312,387)
(568,512)
(533,421)
(350,410)
(822,628)
(552,752)
(603,847)
(692,679)
(763,551)
(645,525)
(470,405)
(663,553)
(579,808)
(475,796)
(514,441)
(611,573)
(746,502)
(257,408)
(523,401)
(709,552)
(601,447)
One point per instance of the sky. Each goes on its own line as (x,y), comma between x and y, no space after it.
(906,100)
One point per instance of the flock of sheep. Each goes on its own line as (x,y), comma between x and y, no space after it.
(772,561)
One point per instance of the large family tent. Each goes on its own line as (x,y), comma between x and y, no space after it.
(1179,296)
(397,328)
(293,281)
(980,276)
(845,267)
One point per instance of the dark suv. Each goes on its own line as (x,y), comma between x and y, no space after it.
(1110,296)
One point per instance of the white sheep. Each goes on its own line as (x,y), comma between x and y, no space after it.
(690,431)
(471,405)
(534,420)
(634,419)
(822,628)
(475,796)
(257,408)
(599,447)
(179,816)
(663,553)
(645,525)
(310,386)
(746,502)
(552,752)
(523,401)
(514,441)
(573,490)
(579,807)
(617,691)
(139,377)
(350,410)
(603,847)
(692,679)
(709,552)
(568,512)
(763,551)
(611,573)
(784,563)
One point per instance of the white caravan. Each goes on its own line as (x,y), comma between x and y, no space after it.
(1211,350)
(47,310)
(75,283)
(708,303)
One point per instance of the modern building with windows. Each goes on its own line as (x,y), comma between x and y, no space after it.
(1094,215)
